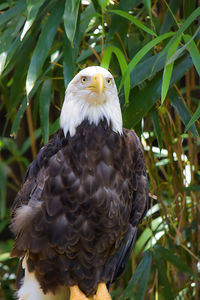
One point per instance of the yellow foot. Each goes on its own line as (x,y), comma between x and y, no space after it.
(102,292)
(76,294)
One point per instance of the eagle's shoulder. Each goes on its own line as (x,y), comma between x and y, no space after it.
(46,152)
(132,140)
(135,147)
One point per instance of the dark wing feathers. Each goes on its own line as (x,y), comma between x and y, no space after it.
(124,253)
(30,181)
(139,201)
(140,180)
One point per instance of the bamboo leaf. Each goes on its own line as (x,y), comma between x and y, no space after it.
(68,61)
(71,18)
(18,117)
(32,13)
(142,240)
(45,97)
(194,51)
(168,70)
(146,98)
(142,284)
(194,118)
(10,145)
(180,50)
(141,53)
(133,20)
(23,105)
(4,6)
(12,12)
(182,110)
(195,14)
(144,70)
(162,275)
(147,4)
(8,43)
(175,260)
(14,25)
(19,77)
(123,65)
(43,45)
(5,42)
(144,265)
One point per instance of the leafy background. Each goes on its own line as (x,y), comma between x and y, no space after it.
(152,49)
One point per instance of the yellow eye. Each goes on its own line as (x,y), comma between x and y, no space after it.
(84,79)
(109,81)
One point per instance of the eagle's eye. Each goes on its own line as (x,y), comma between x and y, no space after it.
(84,79)
(109,81)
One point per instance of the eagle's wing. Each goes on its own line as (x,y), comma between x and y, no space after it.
(28,197)
(140,180)
(31,184)
(139,202)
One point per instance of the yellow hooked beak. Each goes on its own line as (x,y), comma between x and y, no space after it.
(97,84)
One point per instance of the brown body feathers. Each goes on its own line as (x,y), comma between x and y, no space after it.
(77,212)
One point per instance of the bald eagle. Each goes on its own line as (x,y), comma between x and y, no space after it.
(76,214)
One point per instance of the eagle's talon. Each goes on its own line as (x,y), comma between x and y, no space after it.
(77,294)
(102,292)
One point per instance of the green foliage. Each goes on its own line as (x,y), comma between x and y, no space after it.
(156,65)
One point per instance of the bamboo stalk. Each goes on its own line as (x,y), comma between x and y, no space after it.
(31,129)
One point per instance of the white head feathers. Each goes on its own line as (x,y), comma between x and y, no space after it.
(91,95)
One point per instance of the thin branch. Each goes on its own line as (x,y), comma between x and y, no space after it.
(95,53)
(31,129)
(57,64)
(124,49)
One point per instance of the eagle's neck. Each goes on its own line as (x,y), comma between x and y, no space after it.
(75,112)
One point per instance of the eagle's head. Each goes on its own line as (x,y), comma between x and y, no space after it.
(91,95)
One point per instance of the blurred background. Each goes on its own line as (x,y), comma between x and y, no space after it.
(152,49)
